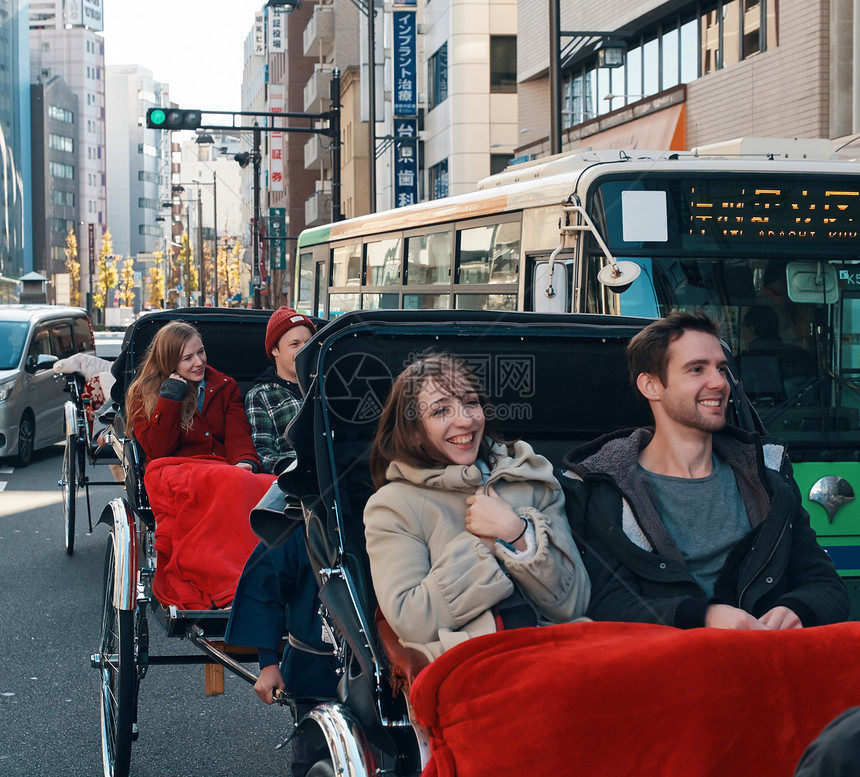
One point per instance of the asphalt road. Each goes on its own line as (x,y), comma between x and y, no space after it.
(50,610)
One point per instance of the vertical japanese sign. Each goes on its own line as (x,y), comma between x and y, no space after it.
(276,140)
(405,162)
(405,64)
(91,253)
(277,233)
(277,30)
(260,34)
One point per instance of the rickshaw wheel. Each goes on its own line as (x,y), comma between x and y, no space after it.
(118,676)
(69,484)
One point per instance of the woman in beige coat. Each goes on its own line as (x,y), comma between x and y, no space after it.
(466,534)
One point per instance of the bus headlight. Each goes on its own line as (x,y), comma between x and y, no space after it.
(6,389)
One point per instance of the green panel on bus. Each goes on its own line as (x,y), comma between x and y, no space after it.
(841,537)
(314,235)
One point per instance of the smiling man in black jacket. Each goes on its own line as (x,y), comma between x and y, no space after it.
(694,522)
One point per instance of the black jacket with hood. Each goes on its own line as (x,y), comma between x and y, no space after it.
(637,571)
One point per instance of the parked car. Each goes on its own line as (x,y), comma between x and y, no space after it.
(32,338)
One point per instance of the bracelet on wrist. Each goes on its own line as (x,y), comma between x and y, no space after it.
(510,545)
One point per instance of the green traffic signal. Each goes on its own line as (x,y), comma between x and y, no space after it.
(155,117)
(173,119)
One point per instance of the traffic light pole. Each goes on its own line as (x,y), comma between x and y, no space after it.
(179,119)
(256,275)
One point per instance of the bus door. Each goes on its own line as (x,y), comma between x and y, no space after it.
(320,297)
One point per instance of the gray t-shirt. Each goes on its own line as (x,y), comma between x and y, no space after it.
(704,516)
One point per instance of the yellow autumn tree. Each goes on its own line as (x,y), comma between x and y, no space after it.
(107,275)
(188,267)
(232,276)
(126,282)
(73,267)
(156,281)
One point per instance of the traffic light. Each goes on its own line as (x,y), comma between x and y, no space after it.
(172,119)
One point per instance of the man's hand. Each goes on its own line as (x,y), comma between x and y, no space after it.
(781,618)
(269,680)
(724,616)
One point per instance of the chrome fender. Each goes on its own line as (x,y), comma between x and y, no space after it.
(350,752)
(119,517)
(70,411)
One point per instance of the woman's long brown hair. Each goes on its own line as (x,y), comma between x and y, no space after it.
(161,359)
(400,434)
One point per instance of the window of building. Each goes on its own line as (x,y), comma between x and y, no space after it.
(146,175)
(149,230)
(503,63)
(437,80)
(61,143)
(59,170)
(439,180)
(145,202)
(61,225)
(60,114)
(676,49)
(62,198)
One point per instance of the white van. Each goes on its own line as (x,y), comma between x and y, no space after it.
(32,338)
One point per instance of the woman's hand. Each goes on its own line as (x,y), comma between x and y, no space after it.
(489,516)
(244,465)
(177,376)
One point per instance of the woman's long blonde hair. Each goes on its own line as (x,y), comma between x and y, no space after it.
(161,359)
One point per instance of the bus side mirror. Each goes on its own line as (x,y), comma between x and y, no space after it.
(550,298)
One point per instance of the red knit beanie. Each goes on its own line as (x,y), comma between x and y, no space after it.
(282,320)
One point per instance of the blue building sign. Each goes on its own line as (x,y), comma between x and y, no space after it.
(405,64)
(405,162)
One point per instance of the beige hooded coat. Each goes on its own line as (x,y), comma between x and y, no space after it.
(436,582)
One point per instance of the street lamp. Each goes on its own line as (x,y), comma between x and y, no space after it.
(611,48)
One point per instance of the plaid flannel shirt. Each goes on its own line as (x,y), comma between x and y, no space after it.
(270,406)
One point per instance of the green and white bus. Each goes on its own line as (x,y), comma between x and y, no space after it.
(763,233)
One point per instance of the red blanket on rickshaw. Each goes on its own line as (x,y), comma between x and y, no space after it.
(202,534)
(598,699)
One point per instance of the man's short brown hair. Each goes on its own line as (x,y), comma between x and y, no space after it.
(648,351)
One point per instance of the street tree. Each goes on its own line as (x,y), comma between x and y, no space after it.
(126,282)
(73,267)
(156,281)
(107,275)
(232,275)
(189,269)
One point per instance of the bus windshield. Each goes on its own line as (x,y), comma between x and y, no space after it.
(777,261)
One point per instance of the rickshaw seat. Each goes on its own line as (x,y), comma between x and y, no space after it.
(404,663)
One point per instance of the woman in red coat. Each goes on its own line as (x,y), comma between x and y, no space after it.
(200,465)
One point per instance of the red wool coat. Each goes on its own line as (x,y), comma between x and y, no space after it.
(220,430)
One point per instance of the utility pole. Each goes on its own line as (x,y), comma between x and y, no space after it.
(371,103)
(334,94)
(200,247)
(215,230)
(256,276)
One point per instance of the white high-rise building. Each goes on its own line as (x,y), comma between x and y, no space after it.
(138,162)
(64,42)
